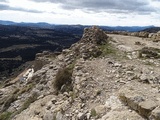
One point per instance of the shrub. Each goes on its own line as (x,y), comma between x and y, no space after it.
(93,112)
(63,77)
(38,64)
(149,52)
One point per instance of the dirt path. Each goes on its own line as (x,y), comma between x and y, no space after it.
(128,42)
(109,75)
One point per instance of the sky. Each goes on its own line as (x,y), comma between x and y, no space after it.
(85,12)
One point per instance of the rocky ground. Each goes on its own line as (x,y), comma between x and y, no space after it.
(102,77)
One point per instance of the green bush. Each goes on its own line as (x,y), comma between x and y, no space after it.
(63,77)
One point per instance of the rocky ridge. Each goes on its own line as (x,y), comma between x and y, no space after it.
(106,83)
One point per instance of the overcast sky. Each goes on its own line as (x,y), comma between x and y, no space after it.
(86,12)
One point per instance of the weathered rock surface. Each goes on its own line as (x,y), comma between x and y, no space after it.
(141,98)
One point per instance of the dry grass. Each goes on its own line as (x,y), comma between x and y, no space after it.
(63,77)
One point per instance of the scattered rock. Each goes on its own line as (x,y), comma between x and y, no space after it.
(100,110)
(117,65)
(81,116)
(155,115)
(59,116)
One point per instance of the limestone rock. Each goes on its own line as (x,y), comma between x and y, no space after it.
(146,107)
(94,35)
(140,97)
(100,110)
(155,115)
(81,116)
(59,116)
(48,116)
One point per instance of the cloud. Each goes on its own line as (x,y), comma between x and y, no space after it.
(3,7)
(53,1)
(7,7)
(118,6)
(3,1)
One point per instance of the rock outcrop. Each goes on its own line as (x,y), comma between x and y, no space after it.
(94,35)
(142,98)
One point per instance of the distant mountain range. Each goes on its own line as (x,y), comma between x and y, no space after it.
(77,29)
(152,29)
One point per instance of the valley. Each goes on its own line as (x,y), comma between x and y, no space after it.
(19,45)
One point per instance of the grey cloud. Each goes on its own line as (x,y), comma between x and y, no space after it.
(53,1)
(3,1)
(6,7)
(3,7)
(119,6)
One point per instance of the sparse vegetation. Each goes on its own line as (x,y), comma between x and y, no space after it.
(107,49)
(93,112)
(26,88)
(13,97)
(96,54)
(16,91)
(26,104)
(38,64)
(8,101)
(63,77)
(147,52)
(5,116)
(1,84)
(73,95)
(30,100)
(54,118)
